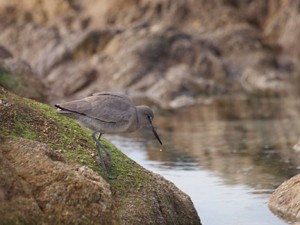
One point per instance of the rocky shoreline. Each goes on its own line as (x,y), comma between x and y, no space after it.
(170,53)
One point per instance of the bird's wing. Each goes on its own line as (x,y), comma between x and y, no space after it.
(106,107)
(117,95)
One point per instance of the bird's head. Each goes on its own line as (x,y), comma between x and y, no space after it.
(145,117)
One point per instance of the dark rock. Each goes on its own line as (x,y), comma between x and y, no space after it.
(4,53)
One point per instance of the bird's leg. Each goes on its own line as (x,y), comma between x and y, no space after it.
(106,151)
(98,145)
(98,148)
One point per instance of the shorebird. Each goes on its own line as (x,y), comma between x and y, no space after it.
(107,112)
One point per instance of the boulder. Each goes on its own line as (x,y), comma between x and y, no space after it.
(17,76)
(48,189)
(50,175)
(285,200)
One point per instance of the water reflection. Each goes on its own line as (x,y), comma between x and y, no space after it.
(228,157)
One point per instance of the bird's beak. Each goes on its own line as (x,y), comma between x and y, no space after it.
(154,131)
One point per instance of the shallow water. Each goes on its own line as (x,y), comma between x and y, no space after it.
(229,167)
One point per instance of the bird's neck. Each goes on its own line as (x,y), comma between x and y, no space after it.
(140,117)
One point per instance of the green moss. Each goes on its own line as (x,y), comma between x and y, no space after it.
(16,220)
(9,81)
(25,130)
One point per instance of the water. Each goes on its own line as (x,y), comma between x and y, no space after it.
(228,166)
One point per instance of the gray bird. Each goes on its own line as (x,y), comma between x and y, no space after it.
(108,112)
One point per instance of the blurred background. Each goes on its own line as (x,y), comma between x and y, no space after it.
(222,76)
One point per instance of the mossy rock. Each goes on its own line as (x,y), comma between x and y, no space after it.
(136,196)
(17,76)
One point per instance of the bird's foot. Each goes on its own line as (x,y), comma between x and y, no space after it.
(108,168)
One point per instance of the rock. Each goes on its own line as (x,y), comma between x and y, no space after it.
(81,48)
(262,81)
(48,160)
(285,200)
(178,87)
(296,147)
(17,202)
(56,192)
(282,29)
(4,53)
(17,76)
